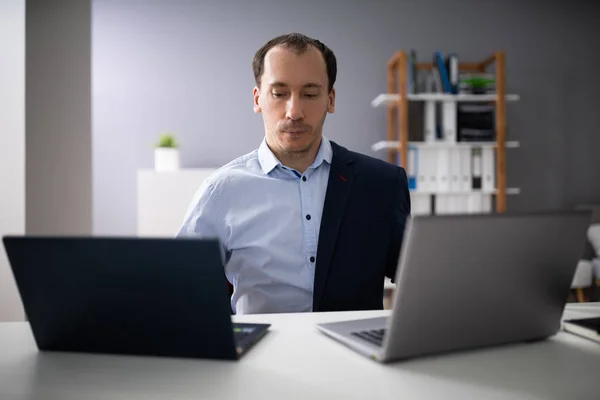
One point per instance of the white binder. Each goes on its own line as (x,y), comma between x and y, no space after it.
(475,203)
(441,204)
(449,111)
(429,135)
(420,203)
(427,168)
(488,175)
(465,169)
(448,203)
(486,203)
(455,170)
(445,157)
(442,175)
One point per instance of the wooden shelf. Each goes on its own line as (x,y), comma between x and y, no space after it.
(511,191)
(394,144)
(392,99)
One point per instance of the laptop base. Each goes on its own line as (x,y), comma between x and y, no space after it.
(348,333)
(247,335)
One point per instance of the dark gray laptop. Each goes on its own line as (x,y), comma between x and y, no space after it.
(136,296)
(473,281)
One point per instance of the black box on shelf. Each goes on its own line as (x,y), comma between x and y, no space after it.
(476,122)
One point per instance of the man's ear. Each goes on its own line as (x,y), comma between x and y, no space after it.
(331,105)
(256,94)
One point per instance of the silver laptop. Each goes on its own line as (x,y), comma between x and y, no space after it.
(473,281)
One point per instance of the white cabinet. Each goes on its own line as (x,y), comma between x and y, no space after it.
(164,197)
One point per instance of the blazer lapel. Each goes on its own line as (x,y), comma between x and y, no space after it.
(339,187)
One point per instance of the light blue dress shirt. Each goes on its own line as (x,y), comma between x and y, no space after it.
(267,217)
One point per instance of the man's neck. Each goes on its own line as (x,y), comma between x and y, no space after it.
(299,161)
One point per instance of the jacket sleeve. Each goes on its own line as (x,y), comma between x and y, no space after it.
(400,213)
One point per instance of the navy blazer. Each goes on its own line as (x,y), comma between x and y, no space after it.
(366,207)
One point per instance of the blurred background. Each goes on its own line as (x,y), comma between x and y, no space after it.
(87,88)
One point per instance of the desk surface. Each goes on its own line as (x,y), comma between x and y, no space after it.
(294,361)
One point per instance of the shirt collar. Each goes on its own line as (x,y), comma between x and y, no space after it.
(268,161)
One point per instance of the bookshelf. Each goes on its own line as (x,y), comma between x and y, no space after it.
(392,99)
(400,70)
(394,144)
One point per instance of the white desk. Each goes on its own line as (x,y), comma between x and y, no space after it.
(295,362)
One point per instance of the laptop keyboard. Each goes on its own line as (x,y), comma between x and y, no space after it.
(374,336)
(239,334)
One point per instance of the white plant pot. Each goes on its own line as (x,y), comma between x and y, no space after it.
(166,159)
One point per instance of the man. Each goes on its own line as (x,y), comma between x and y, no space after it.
(305,224)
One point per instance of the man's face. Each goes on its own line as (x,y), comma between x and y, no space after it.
(293,99)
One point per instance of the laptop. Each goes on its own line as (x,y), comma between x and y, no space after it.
(585,327)
(132,296)
(473,281)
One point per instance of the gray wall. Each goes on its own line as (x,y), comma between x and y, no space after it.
(184,65)
(58,117)
(12,149)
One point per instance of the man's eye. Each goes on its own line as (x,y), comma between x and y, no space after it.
(310,95)
(277,94)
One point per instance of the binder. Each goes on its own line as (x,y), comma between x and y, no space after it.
(449,111)
(429,135)
(479,203)
(424,168)
(459,204)
(476,167)
(452,204)
(433,83)
(411,165)
(439,64)
(420,203)
(455,170)
(412,72)
(453,72)
(445,155)
(441,204)
(442,169)
(486,203)
(475,203)
(487,169)
(448,203)
(465,169)
(430,165)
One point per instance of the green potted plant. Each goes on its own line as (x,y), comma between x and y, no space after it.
(166,153)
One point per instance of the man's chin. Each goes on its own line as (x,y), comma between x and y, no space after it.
(295,142)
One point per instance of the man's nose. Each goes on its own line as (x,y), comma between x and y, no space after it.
(294,109)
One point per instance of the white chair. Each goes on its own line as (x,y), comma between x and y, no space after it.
(593,235)
(582,279)
(588,271)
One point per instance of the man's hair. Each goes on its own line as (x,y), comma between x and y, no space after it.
(298,43)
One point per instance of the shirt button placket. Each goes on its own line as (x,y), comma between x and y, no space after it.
(305,193)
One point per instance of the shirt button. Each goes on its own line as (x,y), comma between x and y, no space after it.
(308,217)
(304,178)
(312,259)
